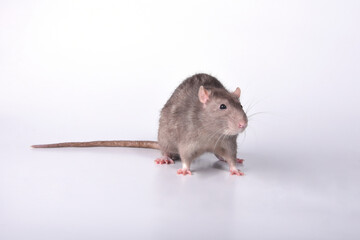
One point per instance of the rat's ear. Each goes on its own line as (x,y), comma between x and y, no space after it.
(237,92)
(203,94)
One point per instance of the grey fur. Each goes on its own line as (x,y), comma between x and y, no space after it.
(190,128)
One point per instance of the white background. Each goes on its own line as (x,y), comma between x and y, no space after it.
(102,70)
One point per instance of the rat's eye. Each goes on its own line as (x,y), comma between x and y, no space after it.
(222,106)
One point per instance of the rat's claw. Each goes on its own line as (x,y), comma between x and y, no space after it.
(159,161)
(168,161)
(164,161)
(239,160)
(236,172)
(183,171)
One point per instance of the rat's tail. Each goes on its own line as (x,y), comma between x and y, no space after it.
(134,144)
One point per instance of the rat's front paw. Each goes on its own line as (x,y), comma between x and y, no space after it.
(236,172)
(183,171)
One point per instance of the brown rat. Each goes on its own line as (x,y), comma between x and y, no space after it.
(200,116)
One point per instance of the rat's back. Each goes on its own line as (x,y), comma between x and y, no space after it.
(188,90)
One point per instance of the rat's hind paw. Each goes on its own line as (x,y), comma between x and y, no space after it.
(164,160)
(238,160)
(183,171)
(236,172)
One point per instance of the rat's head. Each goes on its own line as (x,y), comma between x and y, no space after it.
(222,110)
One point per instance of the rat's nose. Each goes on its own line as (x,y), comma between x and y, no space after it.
(242,124)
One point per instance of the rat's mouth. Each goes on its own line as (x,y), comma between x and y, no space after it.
(232,132)
(236,129)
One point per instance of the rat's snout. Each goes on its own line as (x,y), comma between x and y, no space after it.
(237,122)
(242,124)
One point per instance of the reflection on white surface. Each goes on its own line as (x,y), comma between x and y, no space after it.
(103,192)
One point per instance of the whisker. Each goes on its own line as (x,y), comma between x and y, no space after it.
(215,133)
(253,104)
(244,137)
(220,137)
(223,137)
(251,115)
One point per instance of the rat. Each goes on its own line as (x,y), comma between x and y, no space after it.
(200,116)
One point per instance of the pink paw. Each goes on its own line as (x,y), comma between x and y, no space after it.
(236,172)
(239,160)
(183,171)
(164,161)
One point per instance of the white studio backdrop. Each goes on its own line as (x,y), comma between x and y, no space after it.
(102,70)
